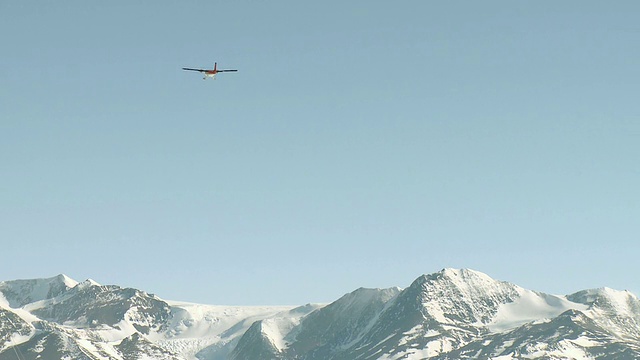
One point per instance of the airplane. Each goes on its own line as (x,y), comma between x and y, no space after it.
(209,72)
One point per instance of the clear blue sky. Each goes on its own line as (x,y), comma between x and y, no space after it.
(361,143)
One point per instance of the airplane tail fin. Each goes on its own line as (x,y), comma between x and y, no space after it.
(215,66)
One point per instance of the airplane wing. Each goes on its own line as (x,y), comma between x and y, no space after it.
(201,70)
(226,70)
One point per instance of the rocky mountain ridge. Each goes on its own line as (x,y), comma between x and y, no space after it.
(451,314)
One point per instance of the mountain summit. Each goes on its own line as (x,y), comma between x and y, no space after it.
(450,314)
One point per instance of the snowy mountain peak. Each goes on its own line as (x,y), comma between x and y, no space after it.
(613,293)
(453,272)
(620,300)
(69,282)
(87,283)
(467,277)
(21,292)
(621,308)
(362,297)
(454,295)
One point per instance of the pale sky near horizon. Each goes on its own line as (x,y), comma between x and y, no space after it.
(359,144)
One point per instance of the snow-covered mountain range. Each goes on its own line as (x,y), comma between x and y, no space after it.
(451,314)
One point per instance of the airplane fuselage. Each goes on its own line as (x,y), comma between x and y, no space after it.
(210,74)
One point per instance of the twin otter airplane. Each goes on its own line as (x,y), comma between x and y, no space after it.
(209,72)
